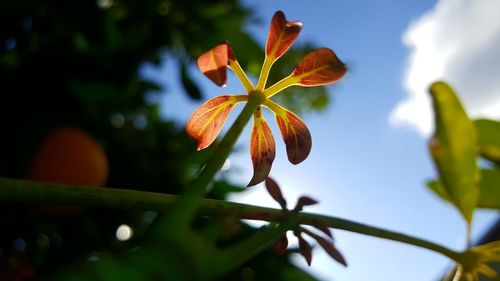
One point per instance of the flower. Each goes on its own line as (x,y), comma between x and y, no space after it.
(319,67)
(305,248)
(476,259)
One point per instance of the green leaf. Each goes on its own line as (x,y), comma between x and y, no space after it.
(221,189)
(489,196)
(438,188)
(488,133)
(189,85)
(453,149)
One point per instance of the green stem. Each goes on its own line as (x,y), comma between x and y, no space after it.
(21,191)
(468,242)
(339,223)
(186,207)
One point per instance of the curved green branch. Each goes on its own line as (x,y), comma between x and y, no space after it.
(21,191)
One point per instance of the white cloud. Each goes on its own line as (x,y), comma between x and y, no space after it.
(457,41)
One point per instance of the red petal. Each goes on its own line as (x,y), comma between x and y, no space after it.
(262,149)
(282,34)
(330,249)
(207,120)
(319,67)
(275,192)
(280,245)
(304,201)
(328,246)
(213,63)
(322,226)
(305,250)
(296,136)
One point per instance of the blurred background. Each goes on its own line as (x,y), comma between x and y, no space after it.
(109,85)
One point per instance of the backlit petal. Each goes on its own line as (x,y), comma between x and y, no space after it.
(214,62)
(295,134)
(262,148)
(319,67)
(207,120)
(282,34)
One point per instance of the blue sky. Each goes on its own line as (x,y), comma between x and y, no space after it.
(361,167)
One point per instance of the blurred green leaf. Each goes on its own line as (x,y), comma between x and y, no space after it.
(189,85)
(296,274)
(488,133)
(221,189)
(453,148)
(438,188)
(489,196)
(214,10)
(92,92)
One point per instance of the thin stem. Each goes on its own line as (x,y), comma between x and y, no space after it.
(264,73)
(235,66)
(469,235)
(339,223)
(33,192)
(458,273)
(280,86)
(240,97)
(274,107)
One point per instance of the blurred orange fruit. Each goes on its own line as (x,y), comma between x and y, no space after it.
(70,156)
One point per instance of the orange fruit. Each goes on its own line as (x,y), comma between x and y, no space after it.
(70,156)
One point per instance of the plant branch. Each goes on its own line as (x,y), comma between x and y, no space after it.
(20,191)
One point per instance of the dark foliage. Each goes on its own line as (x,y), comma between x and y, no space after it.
(74,64)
